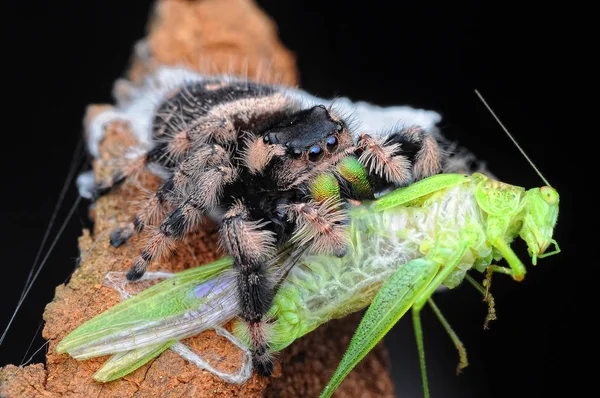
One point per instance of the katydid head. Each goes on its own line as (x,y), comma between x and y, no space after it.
(541,209)
(541,213)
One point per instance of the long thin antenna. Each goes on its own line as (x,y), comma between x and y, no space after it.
(512,138)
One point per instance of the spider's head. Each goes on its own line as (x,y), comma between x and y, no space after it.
(301,146)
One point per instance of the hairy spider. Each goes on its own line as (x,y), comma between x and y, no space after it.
(269,168)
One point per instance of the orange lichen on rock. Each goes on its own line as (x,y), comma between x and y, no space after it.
(206,35)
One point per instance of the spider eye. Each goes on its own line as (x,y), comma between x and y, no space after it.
(266,139)
(332,142)
(314,153)
(339,127)
(296,153)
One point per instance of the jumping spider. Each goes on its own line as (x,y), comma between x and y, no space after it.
(270,169)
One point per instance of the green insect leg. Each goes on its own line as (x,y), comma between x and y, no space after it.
(462,352)
(517,268)
(419,303)
(501,270)
(421,348)
(487,295)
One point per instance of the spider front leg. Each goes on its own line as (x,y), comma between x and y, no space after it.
(320,226)
(251,246)
(401,157)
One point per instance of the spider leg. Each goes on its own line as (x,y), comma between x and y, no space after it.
(193,136)
(160,153)
(402,156)
(320,226)
(213,128)
(201,198)
(151,212)
(116,179)
(173,228)
(196,172)
(172,149)
(121,234)
(428,158)
(252,246)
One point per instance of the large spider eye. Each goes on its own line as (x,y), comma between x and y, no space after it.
(332,142)
(314,153)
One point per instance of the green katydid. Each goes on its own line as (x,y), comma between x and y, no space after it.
(492,214)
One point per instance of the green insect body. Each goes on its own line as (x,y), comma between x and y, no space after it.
(472,223)
(403,246)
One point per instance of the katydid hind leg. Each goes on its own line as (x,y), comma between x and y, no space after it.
(392,301)
(422,298)
(421,348)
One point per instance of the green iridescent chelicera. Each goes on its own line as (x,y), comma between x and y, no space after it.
(327,186)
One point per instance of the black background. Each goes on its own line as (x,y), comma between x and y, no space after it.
(63,56)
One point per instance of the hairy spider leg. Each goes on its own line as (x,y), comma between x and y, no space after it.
(320,226)
(400,157)
(251,246)
(197,168)
(202,198)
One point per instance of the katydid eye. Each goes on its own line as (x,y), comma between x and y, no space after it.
(314,153)
(549,195)
(332,142)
